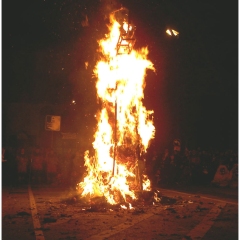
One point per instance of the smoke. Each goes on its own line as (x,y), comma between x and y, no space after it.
(108,6)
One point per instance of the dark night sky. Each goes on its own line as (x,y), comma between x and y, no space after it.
(194,91)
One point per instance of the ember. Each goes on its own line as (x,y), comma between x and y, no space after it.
(125,127)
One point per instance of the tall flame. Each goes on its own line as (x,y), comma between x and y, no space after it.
(125,127)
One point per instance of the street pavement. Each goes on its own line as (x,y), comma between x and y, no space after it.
(45,212)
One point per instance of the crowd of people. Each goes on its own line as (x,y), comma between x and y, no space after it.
(45,166)
(196,167)
(41,166)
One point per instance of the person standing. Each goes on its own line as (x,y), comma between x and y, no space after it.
(165,168)
(22,166)
(37,166)
(66,169)
(10,170)
(51,166)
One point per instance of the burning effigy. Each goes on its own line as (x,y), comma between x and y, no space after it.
(124,126)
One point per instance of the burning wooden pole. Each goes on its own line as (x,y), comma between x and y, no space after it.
(115,138)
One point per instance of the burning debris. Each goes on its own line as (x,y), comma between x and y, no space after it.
(125,127)
(143,200)
(146,202)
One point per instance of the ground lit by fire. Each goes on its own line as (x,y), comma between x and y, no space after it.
(125,127)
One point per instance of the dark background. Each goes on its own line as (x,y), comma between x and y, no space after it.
(194,91)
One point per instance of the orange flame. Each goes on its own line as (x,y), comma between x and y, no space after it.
(125,127)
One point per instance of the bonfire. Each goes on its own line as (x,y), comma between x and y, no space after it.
(124,126)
